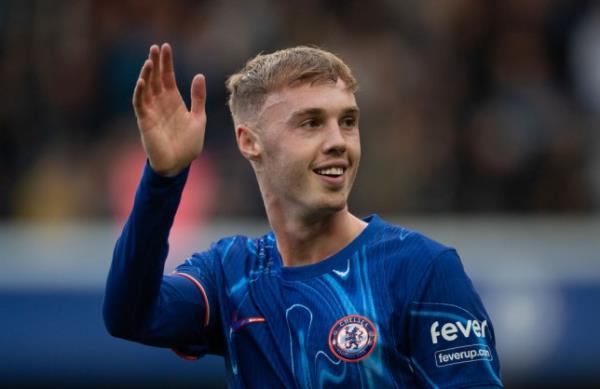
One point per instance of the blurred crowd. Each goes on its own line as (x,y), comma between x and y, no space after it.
(467,106)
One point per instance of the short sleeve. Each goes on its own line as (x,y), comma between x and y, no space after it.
(452,341)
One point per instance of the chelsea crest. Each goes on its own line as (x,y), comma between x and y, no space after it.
(352,338)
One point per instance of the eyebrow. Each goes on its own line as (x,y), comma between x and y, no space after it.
(319,112)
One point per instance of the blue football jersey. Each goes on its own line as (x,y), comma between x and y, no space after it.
(392,309)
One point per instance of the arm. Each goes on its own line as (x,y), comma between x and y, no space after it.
(140,304)
(452,342)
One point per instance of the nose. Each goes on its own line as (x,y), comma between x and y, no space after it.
(335,141)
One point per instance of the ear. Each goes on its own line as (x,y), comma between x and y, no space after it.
(248,142)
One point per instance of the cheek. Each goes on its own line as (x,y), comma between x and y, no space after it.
(284,151)
(283,162)
(354,148)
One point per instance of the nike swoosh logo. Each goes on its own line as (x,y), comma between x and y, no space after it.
(344,273)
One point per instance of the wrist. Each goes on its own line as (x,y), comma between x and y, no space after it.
(165,176)
(167,173)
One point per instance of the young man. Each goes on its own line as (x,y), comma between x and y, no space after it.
(326,298)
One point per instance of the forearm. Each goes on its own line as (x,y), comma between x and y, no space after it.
(135,275)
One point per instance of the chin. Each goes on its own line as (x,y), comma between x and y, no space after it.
(333,206)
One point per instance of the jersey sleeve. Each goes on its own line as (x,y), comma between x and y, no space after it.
(452,343)
(140,303)
(199,273)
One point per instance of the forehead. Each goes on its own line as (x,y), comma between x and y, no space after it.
(327,96)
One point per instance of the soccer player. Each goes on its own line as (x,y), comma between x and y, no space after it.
(326,298)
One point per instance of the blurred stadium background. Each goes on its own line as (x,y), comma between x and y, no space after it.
(479,127)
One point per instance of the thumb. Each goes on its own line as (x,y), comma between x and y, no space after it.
(198,92)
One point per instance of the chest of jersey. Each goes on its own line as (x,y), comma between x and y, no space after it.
(325,330)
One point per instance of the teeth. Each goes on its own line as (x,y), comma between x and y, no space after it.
(331,171)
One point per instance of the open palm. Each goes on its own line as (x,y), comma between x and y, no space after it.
(171,135)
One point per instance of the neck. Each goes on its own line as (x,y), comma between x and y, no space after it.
(308,240)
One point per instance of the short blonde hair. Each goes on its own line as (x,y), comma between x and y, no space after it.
(265,73)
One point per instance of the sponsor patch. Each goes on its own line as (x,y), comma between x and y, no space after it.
(352,338)
(463,354)
(450,331)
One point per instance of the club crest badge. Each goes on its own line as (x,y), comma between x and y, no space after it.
(352,338)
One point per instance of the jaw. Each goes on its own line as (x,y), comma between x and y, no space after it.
(305,195)
(307,202)
(329,195)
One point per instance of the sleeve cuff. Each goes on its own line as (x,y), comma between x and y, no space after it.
(156,180)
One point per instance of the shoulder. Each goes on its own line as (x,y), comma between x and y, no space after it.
(232,251)
(408,256)
(401,242)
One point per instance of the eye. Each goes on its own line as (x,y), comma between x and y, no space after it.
(310,123)
(349,122)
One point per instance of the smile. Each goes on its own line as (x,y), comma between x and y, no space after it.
(330,171)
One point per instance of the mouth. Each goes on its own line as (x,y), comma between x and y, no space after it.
(332,176)
(333,171)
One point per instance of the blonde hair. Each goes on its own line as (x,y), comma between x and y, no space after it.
(265,73)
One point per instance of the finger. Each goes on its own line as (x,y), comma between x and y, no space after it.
(198,93)
(145,76)
(167,70)
(155,83)
(138,98)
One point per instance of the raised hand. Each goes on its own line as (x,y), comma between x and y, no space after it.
(171,135)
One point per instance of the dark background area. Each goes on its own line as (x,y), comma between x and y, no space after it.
(468,106)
